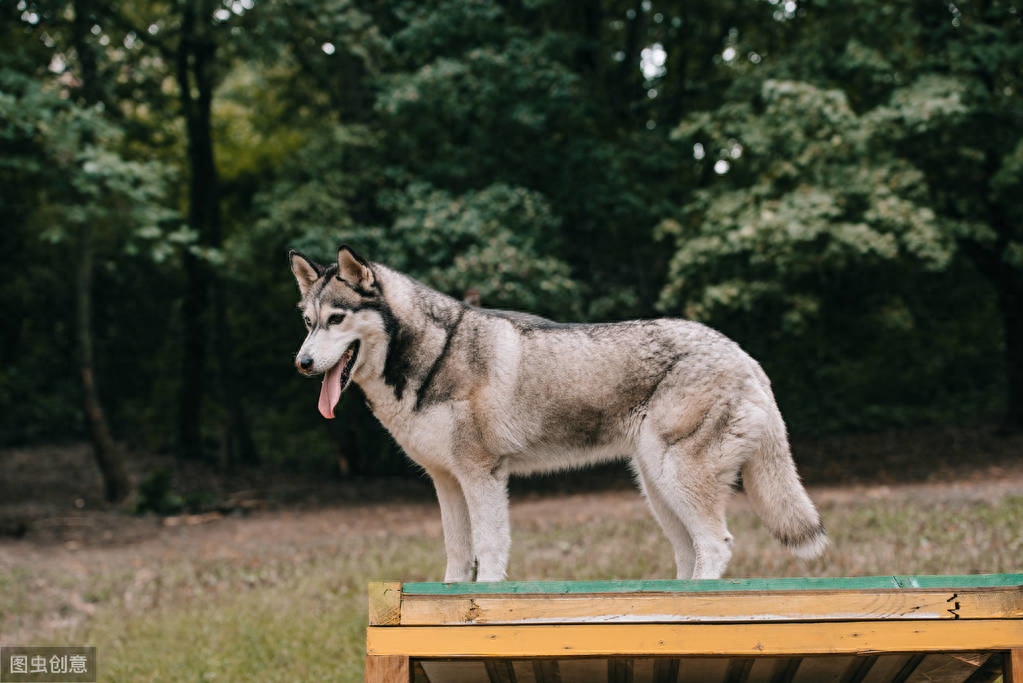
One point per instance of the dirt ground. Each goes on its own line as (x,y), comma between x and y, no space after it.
(50,496)
(74,557)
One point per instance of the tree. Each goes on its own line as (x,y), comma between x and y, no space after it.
(204,41)
(65,153)
(845,152)
(185,43)
(786,171)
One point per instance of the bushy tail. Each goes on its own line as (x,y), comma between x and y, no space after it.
(770,480)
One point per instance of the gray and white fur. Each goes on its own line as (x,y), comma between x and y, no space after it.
(475,395)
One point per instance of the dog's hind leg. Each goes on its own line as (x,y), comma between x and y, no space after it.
(695,484)
(700,505)
(454,517)
(486,493)
(678,536)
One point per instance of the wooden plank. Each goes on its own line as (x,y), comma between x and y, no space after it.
(387,669)
(419,673)
(524,670)
(500,671)
(962,581)
(1014,665)
(886,668)
(858,669)
(619,670)
(738,670)
(982,603)
(815,669)
(665,670)
(441,671)
(384,603)
(942,668)
(583,670)
(643,669)
(908,668)
(732,640)
(989,672)
(784,670)
(762,670)
(987,603)
(702,669)
(675,586)
(546,671)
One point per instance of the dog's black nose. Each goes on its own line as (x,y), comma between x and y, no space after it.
(305,362)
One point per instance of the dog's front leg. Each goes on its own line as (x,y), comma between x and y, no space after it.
(486,493)
(454,517)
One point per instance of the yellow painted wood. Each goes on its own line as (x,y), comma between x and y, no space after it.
(424,610)
(384,603)
(789,638)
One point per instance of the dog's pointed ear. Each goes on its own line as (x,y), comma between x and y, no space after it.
(353,269)
(306,272)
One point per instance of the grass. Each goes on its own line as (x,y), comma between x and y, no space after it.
(293,608)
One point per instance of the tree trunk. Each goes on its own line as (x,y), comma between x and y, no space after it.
(190,403)
(238,446)
(116,482)
(1008,284)
(196,55)
(629,87)
(109,458)
(1010,300)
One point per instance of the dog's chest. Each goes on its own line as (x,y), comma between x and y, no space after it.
(425,435)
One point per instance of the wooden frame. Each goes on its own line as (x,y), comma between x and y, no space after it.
(958,628)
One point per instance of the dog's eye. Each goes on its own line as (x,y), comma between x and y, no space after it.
(335,319)
(308,322)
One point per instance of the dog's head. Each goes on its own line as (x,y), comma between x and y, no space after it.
(341,306)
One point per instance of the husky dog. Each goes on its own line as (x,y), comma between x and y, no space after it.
(475,395)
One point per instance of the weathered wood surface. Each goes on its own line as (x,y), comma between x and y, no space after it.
(731,640)
(387,669)
(384,603)
(1014,665)
(867,630)
(934,668)
(980,603)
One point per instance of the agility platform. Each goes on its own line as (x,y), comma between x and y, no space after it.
(952,629)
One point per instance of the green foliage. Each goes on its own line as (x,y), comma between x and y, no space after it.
(156,494)
(852,188)
(843,204)
(63,172)
(807,196)
(489,241)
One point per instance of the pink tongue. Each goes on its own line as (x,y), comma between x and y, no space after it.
(330,390)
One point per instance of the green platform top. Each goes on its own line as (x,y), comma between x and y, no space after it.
(673,586)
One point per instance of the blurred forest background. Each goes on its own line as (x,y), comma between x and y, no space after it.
(836,185)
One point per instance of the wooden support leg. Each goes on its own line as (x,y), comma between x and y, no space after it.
(1014,666)
(388,669)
